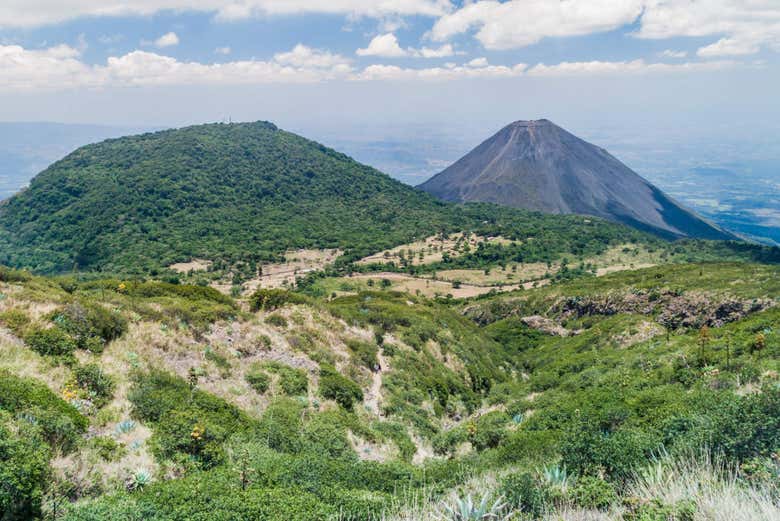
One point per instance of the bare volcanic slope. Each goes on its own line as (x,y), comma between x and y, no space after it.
(537,165)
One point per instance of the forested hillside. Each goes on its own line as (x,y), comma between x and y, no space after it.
(247,193)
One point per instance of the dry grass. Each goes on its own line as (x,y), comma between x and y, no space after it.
(297,264)
(712,485)
(193,265)
(431,249)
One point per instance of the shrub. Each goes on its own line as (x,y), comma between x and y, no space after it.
(447,442)
(356,505)
(336,387)
(293,382)
(91,325)
(16,320)
(747,426)
(272,299)
(107,448)
(593,492)
(489,430)
(657,510)
(525,493)
(258,380)
(276,320)
(52,341)
(280,425)
(186,421)
(59,422)
(24,469)
(364,354)
(98,385)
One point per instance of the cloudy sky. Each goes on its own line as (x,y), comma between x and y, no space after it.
(347,67)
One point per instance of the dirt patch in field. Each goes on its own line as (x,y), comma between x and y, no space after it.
(297,264)
(497,276)
(193,265)
(431,249)
(429,287)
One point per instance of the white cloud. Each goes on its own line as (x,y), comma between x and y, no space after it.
(224,51)
(740,26)
(387,46)
(444,51)
(449,72)
(62,68)
(669,53)
(167,40)
(623,67)
(520,23)
(306,57)
(19,13)
(729,47)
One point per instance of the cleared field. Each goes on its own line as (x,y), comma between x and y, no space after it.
(424,286)
(193,265)
(431,249)
(283,274)
(496,276)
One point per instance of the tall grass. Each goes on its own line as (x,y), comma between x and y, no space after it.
(711,483)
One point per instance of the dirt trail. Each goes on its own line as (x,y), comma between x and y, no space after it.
(374,395)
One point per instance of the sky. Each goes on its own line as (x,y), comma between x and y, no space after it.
(647,71)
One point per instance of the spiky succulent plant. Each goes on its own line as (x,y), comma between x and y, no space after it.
(466,509)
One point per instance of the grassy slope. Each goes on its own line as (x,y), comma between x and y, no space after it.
(495,397)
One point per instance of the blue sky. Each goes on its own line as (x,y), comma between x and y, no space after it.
(340,68)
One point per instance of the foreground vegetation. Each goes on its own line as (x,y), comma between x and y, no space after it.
(649,394)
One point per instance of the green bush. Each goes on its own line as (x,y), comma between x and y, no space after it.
(334,386)
(107,448)
(524,492)
(90,324)
(98,385)
(593,492)
(258,380)
(276,320)
(186,421)
(52,341)
(489,430)
(657,510)
(746,426)
(16,320)
(24,469)
(293,381)
(281,424)
(59,422)
(272,299)
(364,353)
(447,442)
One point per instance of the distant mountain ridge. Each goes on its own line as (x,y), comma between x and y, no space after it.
(537,165)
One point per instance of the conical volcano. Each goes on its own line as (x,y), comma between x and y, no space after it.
(537,165)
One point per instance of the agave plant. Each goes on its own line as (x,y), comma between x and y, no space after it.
(556,476)
(139,479)
(465,509)
(125,426)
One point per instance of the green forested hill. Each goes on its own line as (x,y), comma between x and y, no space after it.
(210,191)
